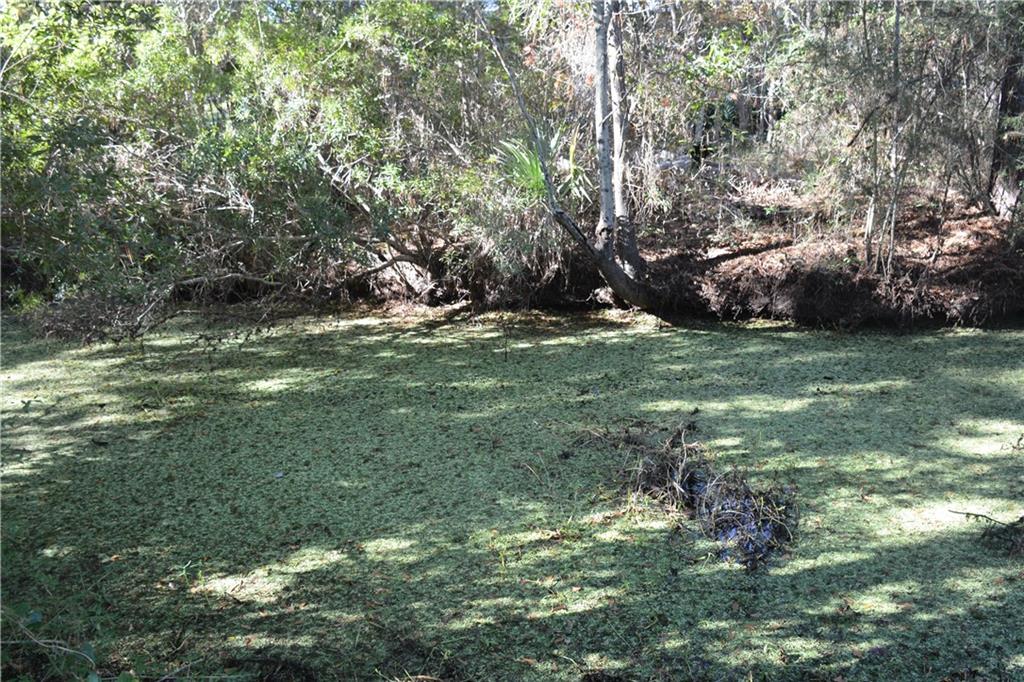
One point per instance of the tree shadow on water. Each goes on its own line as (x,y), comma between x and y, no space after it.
(359,500)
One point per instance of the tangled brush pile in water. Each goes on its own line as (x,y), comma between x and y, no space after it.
(751,524)
(1006,535)
(1009,535)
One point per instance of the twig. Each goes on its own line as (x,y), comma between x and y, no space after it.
(972,515)
(173,674)
(48,644)
(532,471)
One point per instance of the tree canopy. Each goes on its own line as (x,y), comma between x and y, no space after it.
(223,151)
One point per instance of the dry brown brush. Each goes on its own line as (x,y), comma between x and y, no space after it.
(750,523)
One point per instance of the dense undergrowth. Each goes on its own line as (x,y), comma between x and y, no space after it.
(366,498)
(187,154)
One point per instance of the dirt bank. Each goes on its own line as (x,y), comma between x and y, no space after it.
(960,271)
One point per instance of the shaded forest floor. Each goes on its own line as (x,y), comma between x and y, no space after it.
(361,498)
(951,265)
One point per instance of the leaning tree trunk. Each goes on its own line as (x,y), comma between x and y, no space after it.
(603,249)
(1006,177)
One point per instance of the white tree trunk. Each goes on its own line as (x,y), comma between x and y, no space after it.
(602,249)
(605,237)
(625,228)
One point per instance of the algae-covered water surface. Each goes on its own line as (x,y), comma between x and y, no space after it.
(365,498)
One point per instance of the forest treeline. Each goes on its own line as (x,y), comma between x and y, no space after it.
(711,157)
